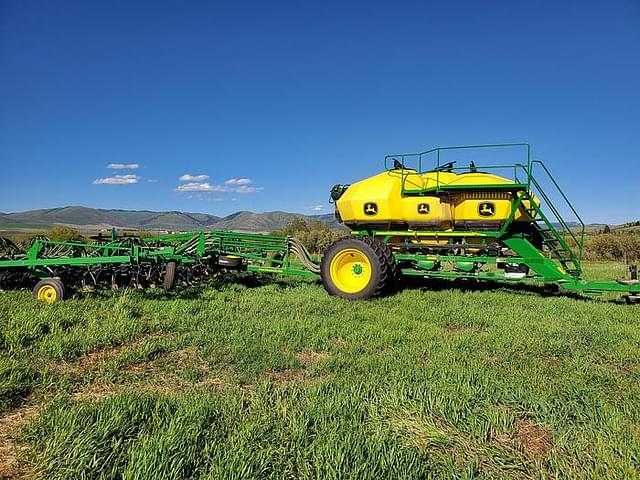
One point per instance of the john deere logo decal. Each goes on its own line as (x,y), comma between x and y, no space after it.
(370,208)
(486,209)
(423,208)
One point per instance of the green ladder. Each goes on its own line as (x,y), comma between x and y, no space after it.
(553,239)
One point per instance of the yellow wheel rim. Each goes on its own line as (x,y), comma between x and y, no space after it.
(350,270)
(47,294)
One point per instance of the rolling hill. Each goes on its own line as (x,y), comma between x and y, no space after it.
(85,218)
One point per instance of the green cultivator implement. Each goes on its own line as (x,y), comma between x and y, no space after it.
(437,221)
(149,262)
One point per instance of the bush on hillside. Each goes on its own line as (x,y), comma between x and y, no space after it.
(61,233)
(314,234)
(610,246)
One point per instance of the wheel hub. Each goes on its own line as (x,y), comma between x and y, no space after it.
(351,270)
(47,294)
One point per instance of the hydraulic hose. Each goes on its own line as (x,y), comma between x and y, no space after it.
(298,249)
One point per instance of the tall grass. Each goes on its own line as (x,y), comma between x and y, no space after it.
(246,378)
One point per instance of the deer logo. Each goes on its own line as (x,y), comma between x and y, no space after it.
(423,208)
(370,208)
(486,209)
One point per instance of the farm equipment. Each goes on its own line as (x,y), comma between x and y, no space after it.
(136,262)
(441,222)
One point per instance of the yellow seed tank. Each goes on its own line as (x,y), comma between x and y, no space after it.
(404,199)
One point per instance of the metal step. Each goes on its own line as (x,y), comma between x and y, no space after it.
(553,240)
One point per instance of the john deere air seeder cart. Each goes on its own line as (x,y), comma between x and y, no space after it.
(429,218)
(422,216)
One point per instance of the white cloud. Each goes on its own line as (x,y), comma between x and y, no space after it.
(117,180)
(187,177)
(124,166)
(201,187)
(238,181)
(198,183)
(317,208)
(247,189)
(205,197)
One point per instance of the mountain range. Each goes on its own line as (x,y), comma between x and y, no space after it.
(92,219)
(85,218)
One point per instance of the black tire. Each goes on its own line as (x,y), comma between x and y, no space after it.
(41,288)
(62,287)
(229,262)
(395,274)
(169,275)
(376,254)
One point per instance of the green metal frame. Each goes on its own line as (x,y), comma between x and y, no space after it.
(185,248)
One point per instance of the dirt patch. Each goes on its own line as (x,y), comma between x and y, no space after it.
(87,362)
(92,360)
(491,360)
(10,425)
(167,385)
(536,440)
(184,354)
(212,382)
(614,368)
(451,328)
(97,391)
(311,357)
(503,439)
(285,376)
(550,359)
(188,357)
(160,375)
(340,342)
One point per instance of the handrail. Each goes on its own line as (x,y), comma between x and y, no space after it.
(437,151)
(553,208)
(528,170)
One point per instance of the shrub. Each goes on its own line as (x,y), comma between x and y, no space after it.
(61,233)
(611,246)
(314,234)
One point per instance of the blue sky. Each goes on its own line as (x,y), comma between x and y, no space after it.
(274,102)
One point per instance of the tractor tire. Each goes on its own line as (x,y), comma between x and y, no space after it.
(229,261)
(169,276)
(357,268)
(49,290)
(395,274)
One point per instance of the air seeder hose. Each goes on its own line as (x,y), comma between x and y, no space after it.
(298,249)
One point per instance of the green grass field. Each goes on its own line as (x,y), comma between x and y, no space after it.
(255,378)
